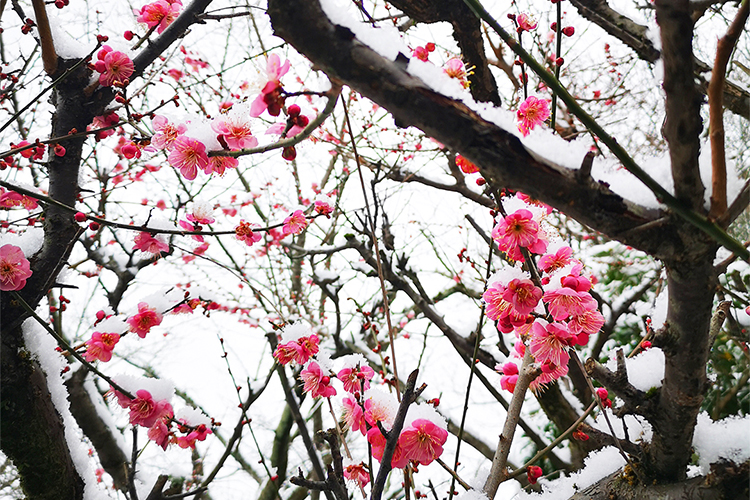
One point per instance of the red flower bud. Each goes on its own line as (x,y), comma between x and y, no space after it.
(293,111)
(128,35)
(94,226)
(568,30)
(80,217)
(59,150)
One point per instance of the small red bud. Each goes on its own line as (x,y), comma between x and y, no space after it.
(293,111)
(128,35)
(325,380)
(102,38)
(481,181)
(59,150)
(100,315)
(94,226)
(559,61)
(430,47)
(553,27)
(289,153)
(80,216)
(568,31)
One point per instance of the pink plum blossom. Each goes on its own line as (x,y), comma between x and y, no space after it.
(234,129)
(114,66)
(423,441)
(145,319)
(159,433)
(356,379)
(12,199)
(244,232)
(552,262)
(145,411)
(455,68)
(323,207)
(565,302)
(270,97)
(14,268)
(165,133)
(188,155)
(201,213)
(295,223)
(160,13)
(465,165)
(308,347)
(100,346)
(377,441)
(353,416)
(549,342)
(523,295)
(518,230)
(219,164)
(317,384)
(198,434)
(357,473)
(525,22)
(146,242)
(532,112)
(286,353)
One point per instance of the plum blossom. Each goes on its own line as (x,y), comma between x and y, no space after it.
(525,22)
(100,346)
(146,242)
(510,376)
(533,473)
(160,13)
(159,433)
(423,441)
(286,353)
(244,232)
(295,223)
(323,207)
(353,416)
(356,379)
(219,164)
(114,66)
(455,68)
(146,318)
(317,384)
(234,128)
(357,473)
(165,133)
(531,113)
(519,230)
(145,411)
(377,441)
(201,213)
(465,165)
(549,342)
(12,199)
(523,295)
(188,155)
(14,268)
(566,302)
(549,263)
(198,434)
(270,97)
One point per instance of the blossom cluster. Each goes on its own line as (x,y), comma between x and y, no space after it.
(363,407)
(549,321)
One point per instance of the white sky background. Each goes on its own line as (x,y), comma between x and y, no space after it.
(186,349)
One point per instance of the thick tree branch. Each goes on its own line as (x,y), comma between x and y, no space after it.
(500,155)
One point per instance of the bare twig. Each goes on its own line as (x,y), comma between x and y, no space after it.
(724,49)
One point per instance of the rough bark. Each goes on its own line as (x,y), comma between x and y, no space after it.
(725,482)
(32,434)
(36,441)
(113,459)
(505,163)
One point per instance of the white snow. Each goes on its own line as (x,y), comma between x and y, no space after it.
(295,331)
(727,439)
(597,465)
(160,389)
(192,416)
(42,346)
(646,370)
